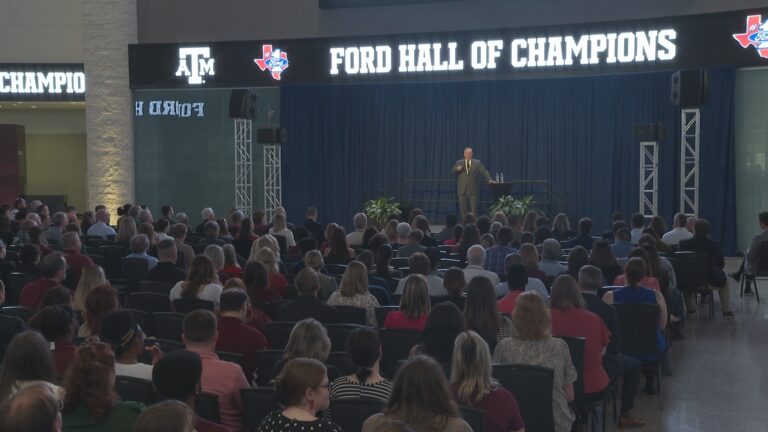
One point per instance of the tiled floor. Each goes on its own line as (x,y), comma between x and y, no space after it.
(718,380)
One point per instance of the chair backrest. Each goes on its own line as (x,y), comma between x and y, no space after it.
(21,312)
(148,302)
(113,268)
(274,308)
(396,345)
(208,407)
(231,357)
(282,243)
(532,387)
(278,332)
(351,315)
(392,284)
(144,319)
(338,334)
(16,282)
(473,416)
(258,402)
(155,287)
(186,306)
(265,361)
(448,262)
(350,414)
(691,269)
(638,324)
(381,313)
(134,270)
(341,361)
(336,269)
(608,288)
(396,299)
(762,267)
(135,389)
(399,262)
(576,346)
(381,293)
(168,325)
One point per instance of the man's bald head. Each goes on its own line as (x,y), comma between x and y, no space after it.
(33,409)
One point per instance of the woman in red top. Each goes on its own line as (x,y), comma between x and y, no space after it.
(530,257)
(275,279)
(472,385)
(458,231)
(570,318)
(255,279)
(414,306)
(328,232)
(231,267)
(648,281)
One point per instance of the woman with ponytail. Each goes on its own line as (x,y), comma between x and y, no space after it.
(364,349)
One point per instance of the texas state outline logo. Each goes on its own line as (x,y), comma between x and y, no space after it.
(275,61)
(756,35)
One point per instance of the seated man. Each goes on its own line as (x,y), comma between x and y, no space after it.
(211,235)
(751,263)
(222,378)
(621,246)
(679,232)
(701,242)
(307,304)
(234,334)
(177,376)
(475,261)
(532,285)
(208,216)
(550,259)
(71,245)
(495,255)
(101,228)
(360,221)
(166,269)
(584,238)
(179,234)
(34,408)
(139,247)
(419,264)
(638,224)
(53,233)
(413,244)
(53,269)
(516,282)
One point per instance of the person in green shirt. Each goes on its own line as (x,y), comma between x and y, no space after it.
(91,404)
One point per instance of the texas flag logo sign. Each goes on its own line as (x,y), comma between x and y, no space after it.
(276,62)
(756,35)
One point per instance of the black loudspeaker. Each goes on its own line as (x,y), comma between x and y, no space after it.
(271,136)
(243,104)
(690,88)
(648,132)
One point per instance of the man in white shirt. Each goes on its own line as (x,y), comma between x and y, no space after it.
(679,232)
(534,284)
(475,261)
(356,237)
(419,264)
(139,247)
(101,228)
(638,224)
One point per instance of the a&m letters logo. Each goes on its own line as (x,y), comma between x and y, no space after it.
(756,35)
(195,63)
(276,62)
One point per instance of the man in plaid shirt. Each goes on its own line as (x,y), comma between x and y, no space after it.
(494,256)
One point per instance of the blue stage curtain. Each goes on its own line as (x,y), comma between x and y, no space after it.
(351,143)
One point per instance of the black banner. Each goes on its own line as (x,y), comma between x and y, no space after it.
(42,82)
(689,42)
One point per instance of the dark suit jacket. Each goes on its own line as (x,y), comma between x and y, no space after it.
(582,240)
(608,314)
(469,182)
(10,326)
(166,272)
(715,275)
(316,229)
(307,306)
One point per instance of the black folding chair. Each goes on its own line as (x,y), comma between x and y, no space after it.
(208,407)
(691,271)
(351,315)
(113,268)
(761,273)
(186,306)
(576,347)
(231,357)
(336,269)
(144,319)
(155,287)
(350,414)
(278,333)
(382,312)
(134,270)
(395,346)
(473,416)
(639,325)
(340,360)
(135,390)
(258,402)
(148,302)
(338,334)
(381,293)
(168,325)
(265,362)
(532,388)
(21,312)
(399,263)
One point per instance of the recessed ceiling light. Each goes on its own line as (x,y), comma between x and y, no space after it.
(33,107)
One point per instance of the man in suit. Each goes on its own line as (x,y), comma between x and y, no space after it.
(715,275)
(315,228)
(468,171)
(307,304)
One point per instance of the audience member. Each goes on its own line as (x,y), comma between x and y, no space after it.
(98,303)
(530,259)
(354,292)
(622,246)
(550,259)
(355,238)
(90,278)
(53,233)
(259,222)
(578,258)
(222,378)
(481,312)
(517,280)
(29,259)
(53,269)
(308,339)
(678,232)
(275,279)
(445,322)
(543,230)
(532,344)
(420,265)
(27,362)
(234,334)
(126,338)
(314,260)
(648,281)
(100,227)
(561,228)
(212,232)
(236,222)
(163,230)
(473,385)
(469,238)
(179,234)
(584,238)
(245,238)
(139,247)
(458,233)
(414,305)
(57,296)
(202,282)
(231,267)
(279,228)
(166,416)
(494,257)
(532,285)
(33,409)
(10,325)
(166,270)
(447,231)
(413,244)
(126,229)
(421,399)
(307,305)
(57,325)
(71,246)
(257,284)
(602,257)
(208,215)
(314,228)
(638,223)
(364,350)
(474,268)
(454,284)
(384,263)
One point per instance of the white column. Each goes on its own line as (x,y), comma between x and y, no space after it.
(108,27)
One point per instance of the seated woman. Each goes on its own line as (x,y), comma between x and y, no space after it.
(421,399)
(384,263)
(414,306)
(339,251)
(245,238)
(364,349)
(454,282)
(279,228)
(57,325)
(578,258)
(308,339)
(530,258)
(275,279)
(27,362)
(571,318)
(533,344)
(481,312)
(472,385)
(90,278)
(231,267)
(126,338)
(99,302)
(314,259)
(256,279)
(458,231)
(202,282)
(445,322)
(648,280)
(354,292)
(91,404)
(216,255)
(302,388)
(603,258)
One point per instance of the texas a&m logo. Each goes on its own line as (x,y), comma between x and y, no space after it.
(276,62)
(195,63)
(756,35)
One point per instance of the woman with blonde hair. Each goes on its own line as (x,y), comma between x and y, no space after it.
(216,254)
(90,278)
(354,292)
(202,282)
(473,385)
(280,228)
(561,228)
(265,241)
(414,306)
(275,279)
(529,222)
(231,266)
(148,230)
(533,344)
(308,339)
(390,230)
(126,229)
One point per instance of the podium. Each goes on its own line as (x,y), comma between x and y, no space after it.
(500,189)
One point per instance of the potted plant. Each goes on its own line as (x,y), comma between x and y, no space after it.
(509,205)
(379,210)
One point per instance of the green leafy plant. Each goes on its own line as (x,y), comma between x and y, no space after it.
(510,205)
(379,210)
